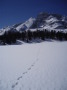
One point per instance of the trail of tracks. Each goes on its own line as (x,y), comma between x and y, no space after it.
(25,72)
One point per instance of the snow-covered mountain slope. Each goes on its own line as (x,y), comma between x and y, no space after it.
(43,21)
(26,25)
(18,27)
(8,29)
(41,66)
(51,22)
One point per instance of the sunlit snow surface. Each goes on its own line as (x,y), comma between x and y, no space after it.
(36,66)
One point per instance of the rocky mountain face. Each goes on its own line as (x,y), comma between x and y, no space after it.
(50,21)
(43,21)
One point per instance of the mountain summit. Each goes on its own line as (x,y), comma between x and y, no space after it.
(50,21)
(26,25)
(43,21)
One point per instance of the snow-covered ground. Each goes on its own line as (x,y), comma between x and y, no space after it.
(35,66)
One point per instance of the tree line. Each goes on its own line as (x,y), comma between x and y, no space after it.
(11,37)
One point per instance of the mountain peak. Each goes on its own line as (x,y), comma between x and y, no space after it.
(26,25)
(43,21)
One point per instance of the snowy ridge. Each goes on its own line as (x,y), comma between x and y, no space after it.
(26,25)
(51,22)
(43,21)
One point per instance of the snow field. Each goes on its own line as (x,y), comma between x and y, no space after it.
(37,66)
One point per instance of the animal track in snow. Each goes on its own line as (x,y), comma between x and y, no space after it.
(19,78)
(24,72)
(29,68)
(14,85)
(32,65)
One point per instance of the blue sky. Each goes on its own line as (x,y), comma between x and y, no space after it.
(15,11)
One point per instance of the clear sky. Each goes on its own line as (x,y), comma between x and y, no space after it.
(15,11)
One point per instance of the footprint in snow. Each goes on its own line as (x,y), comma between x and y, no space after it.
(24,72)
(29,68)
(32,65)
(16,83)
(19,78)
(13,86)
